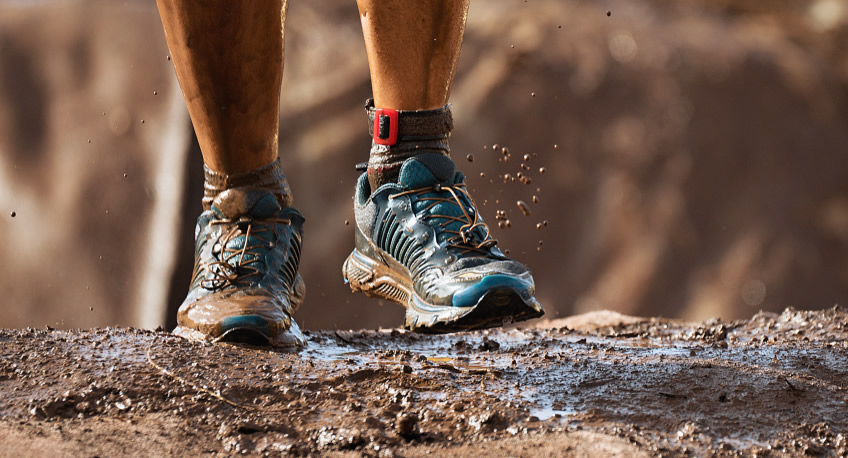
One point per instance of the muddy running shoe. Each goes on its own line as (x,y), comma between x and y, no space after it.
(421,243)
(245,286)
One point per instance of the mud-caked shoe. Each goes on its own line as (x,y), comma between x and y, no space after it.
(422,243)
(246,284)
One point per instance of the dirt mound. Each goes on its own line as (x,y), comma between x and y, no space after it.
(772,384)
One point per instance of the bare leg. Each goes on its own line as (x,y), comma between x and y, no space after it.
(413,47)
(229,61)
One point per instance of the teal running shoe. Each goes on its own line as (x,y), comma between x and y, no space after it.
(421,242)
(245,285)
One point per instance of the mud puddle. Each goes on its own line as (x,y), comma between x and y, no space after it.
(774,385)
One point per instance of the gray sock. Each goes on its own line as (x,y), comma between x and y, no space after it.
(269,177)
(394,140)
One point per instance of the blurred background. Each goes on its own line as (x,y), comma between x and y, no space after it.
(694,156)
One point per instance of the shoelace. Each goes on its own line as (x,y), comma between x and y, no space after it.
(462,239)
(224,272)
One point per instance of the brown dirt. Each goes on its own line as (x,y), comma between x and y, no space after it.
(772,385)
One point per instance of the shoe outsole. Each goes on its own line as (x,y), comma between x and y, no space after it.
(495,307)
(249,330)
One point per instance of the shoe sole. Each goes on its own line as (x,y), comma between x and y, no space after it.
(249,330)
(495,307)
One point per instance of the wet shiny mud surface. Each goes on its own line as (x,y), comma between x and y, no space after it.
(775,385)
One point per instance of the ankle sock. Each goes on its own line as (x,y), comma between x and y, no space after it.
(269,177)
(398,135)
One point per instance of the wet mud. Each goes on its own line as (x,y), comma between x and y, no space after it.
(774,385)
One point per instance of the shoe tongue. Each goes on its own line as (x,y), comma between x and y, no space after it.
(426,170)
(237,202)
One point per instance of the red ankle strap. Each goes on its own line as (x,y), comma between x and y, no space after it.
(385,126)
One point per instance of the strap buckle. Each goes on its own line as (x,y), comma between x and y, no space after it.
(385,126)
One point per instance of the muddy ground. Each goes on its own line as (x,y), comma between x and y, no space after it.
(774,385)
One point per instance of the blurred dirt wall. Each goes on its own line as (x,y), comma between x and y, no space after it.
(694,155)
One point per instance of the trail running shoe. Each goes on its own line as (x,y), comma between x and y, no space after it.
(245,286)
(421,243)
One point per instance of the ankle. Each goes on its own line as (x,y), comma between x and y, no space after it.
(269,177)
(398,135)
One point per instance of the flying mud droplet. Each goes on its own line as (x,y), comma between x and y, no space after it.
(168,57)
(125,174)
(526,158)
(609,13)
(13,214)
(538,226)
(532,94)
(154,92)
(495,147)
(142,121)
(535,200)
(347,223)
(470,158)
(556,146)
(523,207)
(89,140)
(482,175)
(541,170)
(545,223)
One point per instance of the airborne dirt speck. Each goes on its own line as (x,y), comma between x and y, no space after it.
(593,384)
